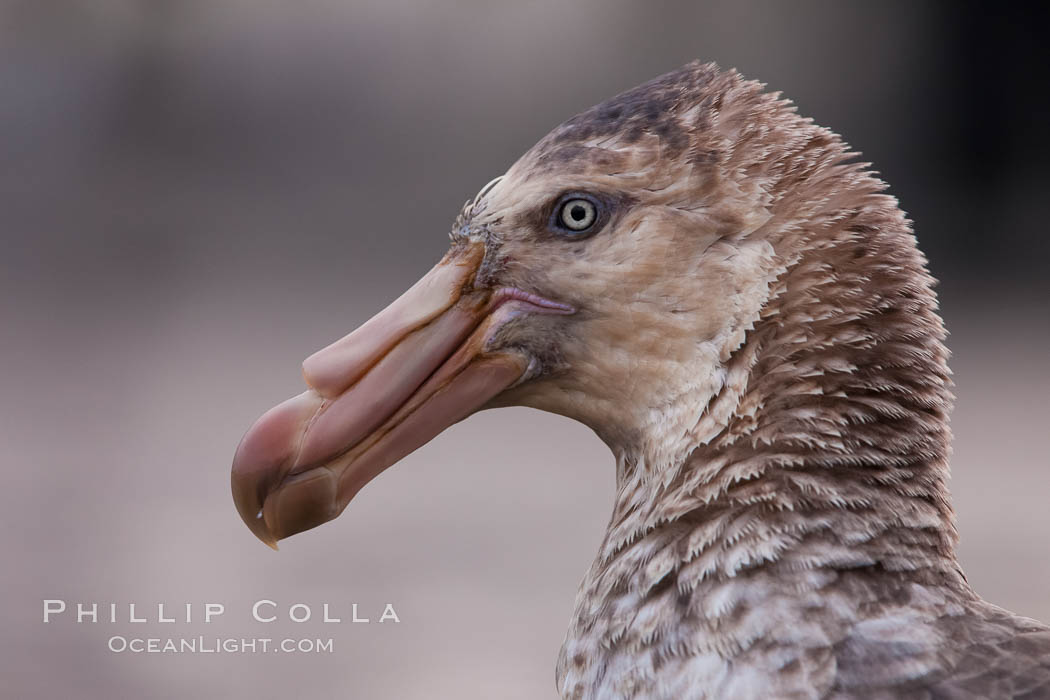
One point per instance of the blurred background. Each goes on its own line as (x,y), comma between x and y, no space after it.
(196,194)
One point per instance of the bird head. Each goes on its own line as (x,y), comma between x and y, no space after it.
(609,275)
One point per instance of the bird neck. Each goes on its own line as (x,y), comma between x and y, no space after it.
(825,451)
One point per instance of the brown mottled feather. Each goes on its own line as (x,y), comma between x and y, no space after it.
(761,349)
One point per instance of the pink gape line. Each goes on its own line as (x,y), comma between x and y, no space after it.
(506,294)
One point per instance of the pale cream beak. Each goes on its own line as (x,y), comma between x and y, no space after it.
(376,395)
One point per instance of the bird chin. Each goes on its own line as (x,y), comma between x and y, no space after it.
(427,361)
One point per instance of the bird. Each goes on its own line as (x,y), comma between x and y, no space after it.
(738,308)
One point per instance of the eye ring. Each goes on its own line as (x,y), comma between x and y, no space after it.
(577,215)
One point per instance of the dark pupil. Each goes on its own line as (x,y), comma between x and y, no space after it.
(578,213)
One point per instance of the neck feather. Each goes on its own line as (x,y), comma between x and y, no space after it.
(828,445)
(817,480)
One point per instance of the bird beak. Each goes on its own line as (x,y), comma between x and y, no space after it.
(376,395)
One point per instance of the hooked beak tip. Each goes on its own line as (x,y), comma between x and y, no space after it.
(256,523)
(262,531)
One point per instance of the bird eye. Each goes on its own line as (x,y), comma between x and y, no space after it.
(577,214)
